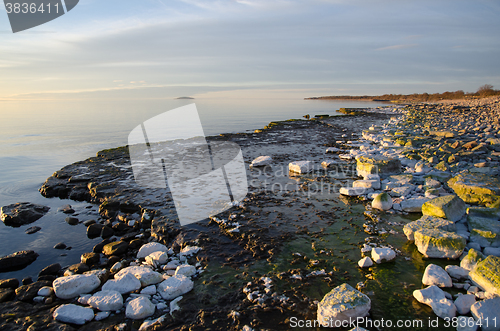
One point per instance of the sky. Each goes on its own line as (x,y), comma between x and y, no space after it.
(153,49)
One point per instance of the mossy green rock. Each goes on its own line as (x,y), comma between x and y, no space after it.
(439,244)
(471,259)
(483,230)
(476,188)
(450,207)
(115,248)
(428,222)
(341,304)
(486,274)
(383,201)
(375,164)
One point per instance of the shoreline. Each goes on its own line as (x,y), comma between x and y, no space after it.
(226,230)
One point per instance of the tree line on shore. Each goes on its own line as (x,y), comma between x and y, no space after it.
(484,91)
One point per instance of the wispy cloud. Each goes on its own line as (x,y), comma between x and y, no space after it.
(401,46)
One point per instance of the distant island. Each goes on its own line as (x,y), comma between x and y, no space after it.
(483,91)
(185,98)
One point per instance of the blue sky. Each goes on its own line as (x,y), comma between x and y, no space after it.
(252,48)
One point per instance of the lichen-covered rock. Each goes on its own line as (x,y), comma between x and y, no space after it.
(484,231)
(486,274)
(450,207)
(383,201)
(341,304)
(428,222)
(476,188)
(471,259)
(439,244)
(377,164)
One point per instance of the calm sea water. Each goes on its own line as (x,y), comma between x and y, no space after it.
(38,138)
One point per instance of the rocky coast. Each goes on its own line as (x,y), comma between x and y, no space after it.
(384,214)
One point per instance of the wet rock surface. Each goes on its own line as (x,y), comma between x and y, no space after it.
(21,213)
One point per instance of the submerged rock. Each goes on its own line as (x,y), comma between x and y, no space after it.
(342,304)
(17,260)
(450,207)
(486,274)
(21,213)
(428,222)
(73,314)
(439,244)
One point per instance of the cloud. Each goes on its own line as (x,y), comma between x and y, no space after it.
(402,46)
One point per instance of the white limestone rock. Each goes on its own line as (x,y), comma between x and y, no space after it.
(383,254)
(139,308)
(365,262)
(367,183)
(186,270)
(106,300)
(300,167)
(261,161)
(435,275)
(72,286)
(125,284)
(352,191)
(487,309)
(341,304)
(328,163)
(149,290)
(101,315)
(189,251)
(435,298)
(148,323)
(413,205)
(73,314)
(145,275)
(464,302)
(149,248)
(401,191)
(457,272)
(156,259)
(175,286)
(383,201)
(45,291)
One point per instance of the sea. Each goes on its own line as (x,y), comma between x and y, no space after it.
(38,138)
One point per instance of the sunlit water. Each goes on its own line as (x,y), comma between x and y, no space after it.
(38,138)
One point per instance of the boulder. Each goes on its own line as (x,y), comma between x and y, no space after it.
(428,222)
(72,286)
(383,254)
(262,161)
(471,259)
(439,244)
(377,164)
(125,284)
(73,314)
(457,272)
(186,270)
(139,308)
(450,207)
(435,298)
(464,302)
(383,201)
(175,286)
(115,248)
(435,275)
(484,231)
(343,303)
(149,248)
(17,260)
(413,205)
(365,262)
(106,300)
(90,258)
(300,167)
(486,274)
(145,275)
(487,310)
(21,213)
(476,188)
